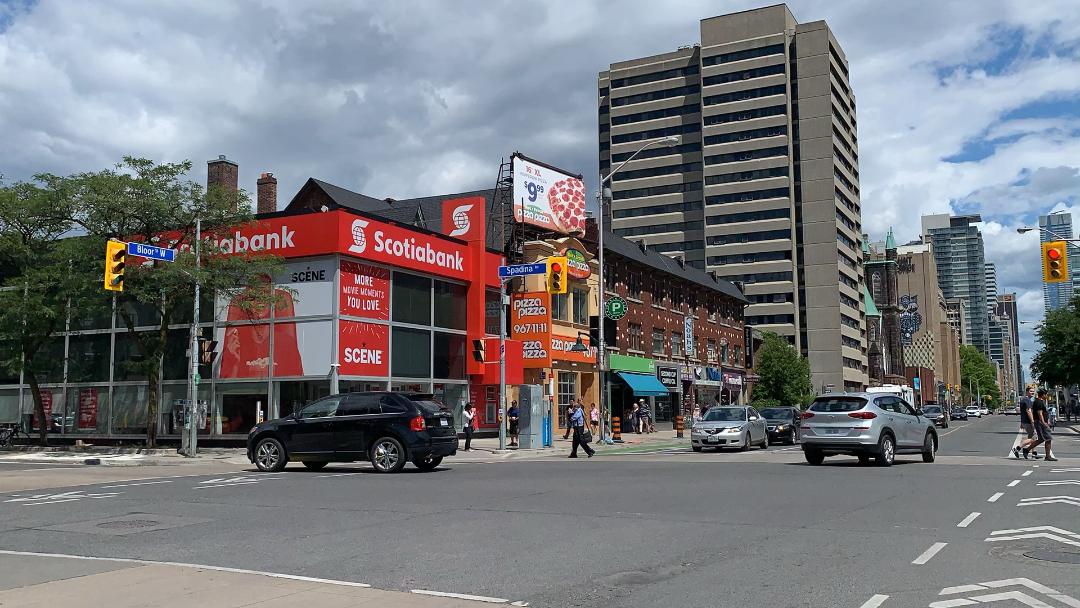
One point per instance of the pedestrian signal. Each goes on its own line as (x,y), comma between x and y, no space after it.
(1055,262)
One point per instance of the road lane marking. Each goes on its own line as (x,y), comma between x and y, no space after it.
(1025,474)
(1049,500)
(1019,596)
(967,520)
(226,485)
(995,497)
(128,485)
(147,562)
(1060,482)
(1074,470)
(929,553)
(461,596)
(1014,483)
(44,499)
(875,601)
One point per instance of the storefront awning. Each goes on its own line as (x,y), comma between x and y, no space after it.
(643,385)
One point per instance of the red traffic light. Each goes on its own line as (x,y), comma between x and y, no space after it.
(556,268)
(1053,254)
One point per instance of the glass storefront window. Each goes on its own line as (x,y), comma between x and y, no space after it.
(450,305)
(128,359)
(449,360)
(48,364)
(411,299)
(9,406)
(453,396)
(410,387)
(294,395)
(491,313)
(88,358)
(171,422)
(142,315)
(87,409)
(52,400)
(96,315)
(567,394)
(411,353)
(236,405)
(7,353)
(128,416)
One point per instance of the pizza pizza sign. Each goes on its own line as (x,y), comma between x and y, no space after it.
(548,198)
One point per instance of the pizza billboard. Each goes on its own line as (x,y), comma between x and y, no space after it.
(547,197)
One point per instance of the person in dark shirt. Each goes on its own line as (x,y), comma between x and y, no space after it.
(1041,420)
(513,416)
(1026,426)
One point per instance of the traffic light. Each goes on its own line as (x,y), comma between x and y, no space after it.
(115,252)
(207,351)
(556,274)
(478,350)
(1055,262)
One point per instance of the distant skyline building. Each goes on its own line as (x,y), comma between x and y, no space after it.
(961,262)
(763,187)
(1056,227)
(991,287)
(956,315)
(1007,311)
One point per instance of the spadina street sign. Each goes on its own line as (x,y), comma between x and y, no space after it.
(516,270)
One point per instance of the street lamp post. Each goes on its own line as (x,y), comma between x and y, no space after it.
(672,140)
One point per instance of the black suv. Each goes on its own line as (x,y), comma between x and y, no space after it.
(388,429)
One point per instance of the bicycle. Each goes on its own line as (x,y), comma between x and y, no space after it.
(8,435)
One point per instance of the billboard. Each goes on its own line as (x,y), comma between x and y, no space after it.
(548,198)
(364,349)
(530,322)
(365,291)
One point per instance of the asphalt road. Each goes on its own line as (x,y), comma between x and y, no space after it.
(625,529)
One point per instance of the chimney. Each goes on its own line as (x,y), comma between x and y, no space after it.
(681,260)
(643,246)
(266,193)
(222,173)
(712,273)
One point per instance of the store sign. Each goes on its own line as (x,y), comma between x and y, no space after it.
(548,198)
(560,349)
(364,349)
(405,248)
(577,264)
(530,322)
(688,334)
(365,291)
(733,379)
(668,376)
(88,408)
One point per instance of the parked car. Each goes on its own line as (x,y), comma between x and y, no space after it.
(389,429)
(985,411)
(866,425)
(958,413)
(974,410)
(783,424)
(729,426)
(1012,410)
(936,415)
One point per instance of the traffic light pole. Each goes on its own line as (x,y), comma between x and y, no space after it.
(192,429)
(502,364)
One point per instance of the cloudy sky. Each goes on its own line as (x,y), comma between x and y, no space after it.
(963,106)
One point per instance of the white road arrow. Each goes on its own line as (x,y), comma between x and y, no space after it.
(1060,482)
(1072,470)
(1049,500)
(1019,596)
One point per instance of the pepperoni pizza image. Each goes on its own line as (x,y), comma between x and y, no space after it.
(567,200)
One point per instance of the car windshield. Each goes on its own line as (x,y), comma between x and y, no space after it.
(725,414)
(776,413)
(837,404)
(931,409)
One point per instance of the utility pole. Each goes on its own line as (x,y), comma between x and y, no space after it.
(193,373)
(503,301)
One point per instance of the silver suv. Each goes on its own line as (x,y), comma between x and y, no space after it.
(866,425)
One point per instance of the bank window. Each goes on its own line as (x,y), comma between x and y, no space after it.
(449,360)
(560,304)
(710,351)
(411,353)
(567,392)
(411,299)
(658,341)
(581,307)
(633,330)
(676,344)
(450,305)
(633,284)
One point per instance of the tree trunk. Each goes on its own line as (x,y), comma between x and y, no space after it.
(39,411)
(153,376)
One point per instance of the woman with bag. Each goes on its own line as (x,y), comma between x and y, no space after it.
(467,428)
(582,436)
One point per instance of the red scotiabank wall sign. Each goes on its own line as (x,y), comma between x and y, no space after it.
(364,348)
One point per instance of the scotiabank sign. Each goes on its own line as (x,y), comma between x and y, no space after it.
(312,234)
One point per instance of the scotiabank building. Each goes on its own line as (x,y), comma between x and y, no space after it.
(365,303)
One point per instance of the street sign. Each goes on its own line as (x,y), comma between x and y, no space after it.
(615,308)
(918,383)
(688,333)
(517,270)
(151,252)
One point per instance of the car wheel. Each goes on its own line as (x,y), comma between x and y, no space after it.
(387,455)
(814,457)
(746,443)
(864,459)
(764,442)
(696,448)
(270,455)
(794,437)
(428,463)
(886,450)
(929,449)
(315,465)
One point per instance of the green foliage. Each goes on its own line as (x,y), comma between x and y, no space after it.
(761,404)
(978,371)
(1059,334)
(785,375)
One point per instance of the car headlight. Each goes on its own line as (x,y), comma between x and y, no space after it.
(733,429)
(781,427)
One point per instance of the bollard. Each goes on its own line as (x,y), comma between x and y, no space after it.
(616,429)
(679,426)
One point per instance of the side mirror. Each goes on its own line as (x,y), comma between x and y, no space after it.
(296,416)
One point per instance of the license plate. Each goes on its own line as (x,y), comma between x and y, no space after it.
(443,422)
(712,439)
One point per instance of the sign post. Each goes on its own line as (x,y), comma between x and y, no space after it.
(192,430)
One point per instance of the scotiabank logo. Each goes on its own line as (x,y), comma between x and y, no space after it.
(240,243)
(460,216)
(358,237)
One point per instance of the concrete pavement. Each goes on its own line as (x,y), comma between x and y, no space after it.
(649,526)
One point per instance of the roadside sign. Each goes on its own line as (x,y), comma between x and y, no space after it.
(517,270)
(151,252)
(918,383)
(615,308)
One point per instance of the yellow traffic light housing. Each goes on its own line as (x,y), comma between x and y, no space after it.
(1055,262)
(556,274)
(115,254)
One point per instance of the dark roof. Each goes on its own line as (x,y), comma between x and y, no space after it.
(631,250)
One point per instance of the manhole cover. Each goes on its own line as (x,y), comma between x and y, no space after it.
(128,524)
(1061,557)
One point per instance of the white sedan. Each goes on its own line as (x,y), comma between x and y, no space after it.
(973,411)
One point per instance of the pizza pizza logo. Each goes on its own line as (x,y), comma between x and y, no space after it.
(567,200)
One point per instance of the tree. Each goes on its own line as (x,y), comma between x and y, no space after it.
(1058,363)
(141,201)
(46,277)
(785,375)
(978,375)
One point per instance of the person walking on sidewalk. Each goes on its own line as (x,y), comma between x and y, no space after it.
(577,419)
(569,416)
(512,416)
(594,419)
(468,415)
(1026,426)
(1041,420)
